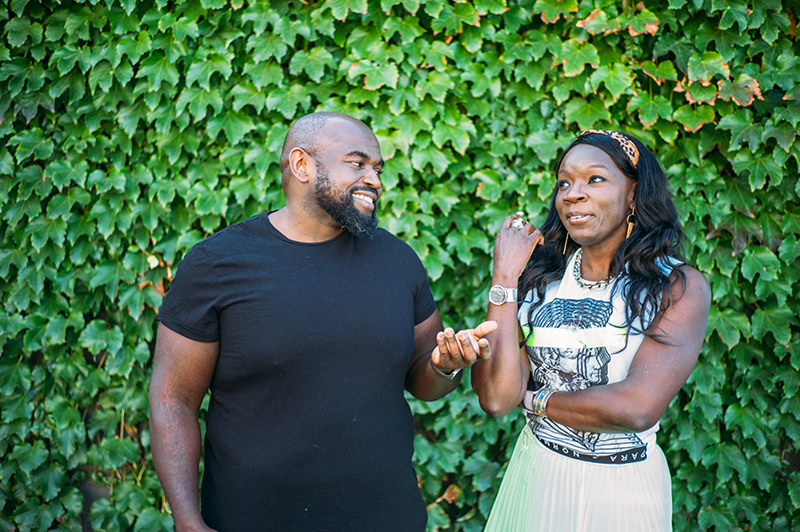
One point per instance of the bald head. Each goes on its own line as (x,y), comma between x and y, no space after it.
(309,134)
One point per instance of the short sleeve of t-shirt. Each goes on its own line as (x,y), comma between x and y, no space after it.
(424,305)
(189,306)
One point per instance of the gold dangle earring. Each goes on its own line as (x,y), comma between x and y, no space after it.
(565,244)
(631,220)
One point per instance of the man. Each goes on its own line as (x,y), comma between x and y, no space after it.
(306,323)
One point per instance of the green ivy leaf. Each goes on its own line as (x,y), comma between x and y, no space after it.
(314,63)
(235,124)
(158,69)
(693,118)
(339,8)
(551,10)
(586,112)
(728,324)
(743,129)
(206,66)
(31,142)
(710,64)
(19,29)
(375,75)
(728,458)
(758,167)
(28,456)
(773,319)
(617,79)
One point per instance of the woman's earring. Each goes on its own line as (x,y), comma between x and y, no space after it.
(631,220)
(565,244)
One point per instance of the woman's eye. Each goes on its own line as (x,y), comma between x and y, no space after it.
(596,179)
(563,183)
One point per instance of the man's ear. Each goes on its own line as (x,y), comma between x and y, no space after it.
(301,164)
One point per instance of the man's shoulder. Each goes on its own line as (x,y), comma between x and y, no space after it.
(253,227)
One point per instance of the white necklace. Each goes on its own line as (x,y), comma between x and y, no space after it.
(588,285)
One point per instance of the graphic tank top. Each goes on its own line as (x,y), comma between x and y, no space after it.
(579,340)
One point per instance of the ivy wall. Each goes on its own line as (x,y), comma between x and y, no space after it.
(131,130)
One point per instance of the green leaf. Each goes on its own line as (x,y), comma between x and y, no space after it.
(551,10)
(43,229)
(339,8)
(235,124)
(710,64)
(574,57)
(774,319)
(759,260)
(693,118)
(729,324)
(109,274)
(19,29)
(743,129)
(204,67)
(436,85)
(728,458)
(286,101)
(15,374)
(158,69)
(28,456)
(453,17)
(375,75)
(586,112)
(617,79)
(314,63)
(758,168)
(31,142)
(650,108)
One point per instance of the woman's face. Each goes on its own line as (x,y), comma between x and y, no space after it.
(594,197)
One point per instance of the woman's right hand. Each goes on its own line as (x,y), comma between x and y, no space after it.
(513,247)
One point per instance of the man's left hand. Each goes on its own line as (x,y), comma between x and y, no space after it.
(462,349)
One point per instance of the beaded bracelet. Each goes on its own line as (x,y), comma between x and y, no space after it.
(540,401)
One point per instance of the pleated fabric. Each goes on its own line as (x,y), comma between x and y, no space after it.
(544,491)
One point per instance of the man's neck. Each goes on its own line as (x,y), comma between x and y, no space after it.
(302,226)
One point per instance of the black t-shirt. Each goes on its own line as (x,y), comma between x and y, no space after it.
(307,427)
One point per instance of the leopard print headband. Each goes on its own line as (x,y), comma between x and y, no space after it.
(625,143)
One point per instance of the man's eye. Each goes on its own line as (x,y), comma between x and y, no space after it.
(379,171)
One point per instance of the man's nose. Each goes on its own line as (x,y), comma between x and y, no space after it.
(372,179)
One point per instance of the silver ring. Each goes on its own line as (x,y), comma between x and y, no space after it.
(518,223)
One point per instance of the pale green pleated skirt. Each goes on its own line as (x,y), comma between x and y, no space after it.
(543,491)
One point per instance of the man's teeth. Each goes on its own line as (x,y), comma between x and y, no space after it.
(365,199)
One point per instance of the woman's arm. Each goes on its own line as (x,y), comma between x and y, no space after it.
(500,381)
(657,372)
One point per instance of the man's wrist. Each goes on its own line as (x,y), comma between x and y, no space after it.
(451,375)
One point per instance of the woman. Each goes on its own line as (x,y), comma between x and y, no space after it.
(608,331)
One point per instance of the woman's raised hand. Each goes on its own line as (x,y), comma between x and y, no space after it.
(513,246)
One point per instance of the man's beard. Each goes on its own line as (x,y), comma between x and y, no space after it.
(341,206)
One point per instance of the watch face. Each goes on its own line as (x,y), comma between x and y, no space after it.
(497,295)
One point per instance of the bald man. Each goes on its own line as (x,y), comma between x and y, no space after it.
(306,323)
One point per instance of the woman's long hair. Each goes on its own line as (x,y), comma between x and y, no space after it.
(656,237)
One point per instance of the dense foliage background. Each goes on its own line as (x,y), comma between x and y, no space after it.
(131,130)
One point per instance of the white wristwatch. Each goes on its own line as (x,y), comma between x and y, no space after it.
(500,294)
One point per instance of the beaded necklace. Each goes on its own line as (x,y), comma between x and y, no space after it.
(588,285)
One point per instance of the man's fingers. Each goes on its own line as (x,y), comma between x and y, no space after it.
(485,349)
(484,328)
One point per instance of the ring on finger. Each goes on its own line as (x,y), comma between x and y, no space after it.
(518,223)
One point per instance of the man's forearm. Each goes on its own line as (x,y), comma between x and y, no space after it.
(175,442)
